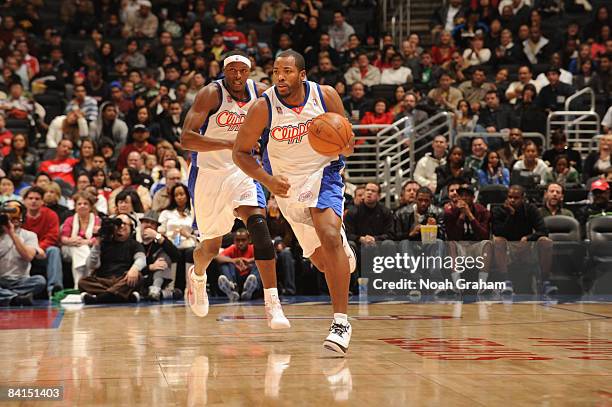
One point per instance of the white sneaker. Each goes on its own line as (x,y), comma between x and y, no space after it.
(197,298)
(249,287)
(228,288)
(276,317)
(154,293)
(337,342)
(349,251)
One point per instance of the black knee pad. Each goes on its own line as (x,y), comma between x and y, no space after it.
(260,236)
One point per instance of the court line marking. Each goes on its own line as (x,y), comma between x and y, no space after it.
(576,311)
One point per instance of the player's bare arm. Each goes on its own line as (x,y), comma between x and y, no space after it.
(250,131)
(334,104)
(206,101)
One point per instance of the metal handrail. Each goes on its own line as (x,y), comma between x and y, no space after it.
(578,94)
(593,143)
(579,126)
(387,156)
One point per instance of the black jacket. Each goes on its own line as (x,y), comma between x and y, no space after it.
(530,117)
(526,221)
(586,213)
(404,222)
(501,118)
(553,97)
(361,220)
(444,175)
(154,250)
(439,16)
(588,169)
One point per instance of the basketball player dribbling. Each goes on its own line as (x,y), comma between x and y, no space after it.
(221,191)
(308,186)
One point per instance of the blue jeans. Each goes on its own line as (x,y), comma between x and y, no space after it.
(55,276)
(285,269)
(229,270)
(10,288)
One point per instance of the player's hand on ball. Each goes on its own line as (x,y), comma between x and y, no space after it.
(350,148)
(279,186)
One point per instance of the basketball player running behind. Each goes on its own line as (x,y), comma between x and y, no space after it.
(308,186)
(221,191)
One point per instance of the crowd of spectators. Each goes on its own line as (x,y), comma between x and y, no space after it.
(93,95)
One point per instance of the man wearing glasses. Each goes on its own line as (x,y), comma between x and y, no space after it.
(114,264)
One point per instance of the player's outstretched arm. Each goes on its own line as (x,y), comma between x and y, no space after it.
(206,101)
(250,131)
(334,104)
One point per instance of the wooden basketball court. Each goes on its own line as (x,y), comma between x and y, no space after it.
(401,354)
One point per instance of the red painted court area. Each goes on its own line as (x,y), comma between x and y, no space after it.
(30,318)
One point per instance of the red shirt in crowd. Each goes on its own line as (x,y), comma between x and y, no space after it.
(125,151)
(60,169)
(46,227)
(5,148)
(233,253)
(235,37)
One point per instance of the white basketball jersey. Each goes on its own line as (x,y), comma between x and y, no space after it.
(224,124)
(288,151)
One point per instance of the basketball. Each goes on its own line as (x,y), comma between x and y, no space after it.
(329,133)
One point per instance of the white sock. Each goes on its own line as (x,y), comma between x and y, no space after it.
(198,277)
(270,294)
(343,317)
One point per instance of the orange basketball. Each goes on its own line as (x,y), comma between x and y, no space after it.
(329,134)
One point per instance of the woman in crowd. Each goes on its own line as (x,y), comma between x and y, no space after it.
(477,54)
(53,195)
(442,52)
(77,233)
(562,172)
(176,221)
(129,182)
(72,126)
(379,115)
(465,120)
(453,169)
(86,154)
(492,171)
(585,75)
(399,94)
(176,224)
(599,161)
(128,202)
(22,153)
(531,163)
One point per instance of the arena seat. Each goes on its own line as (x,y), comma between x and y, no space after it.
(562,228)
(492,194)
(598,278)
(386,92)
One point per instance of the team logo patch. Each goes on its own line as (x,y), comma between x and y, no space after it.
(279,110)
(246,195)
(231,120)
(290,134)
(305,196)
